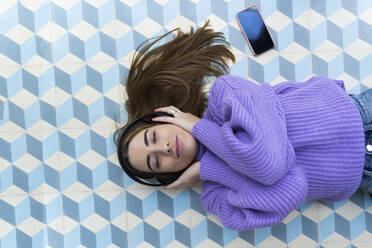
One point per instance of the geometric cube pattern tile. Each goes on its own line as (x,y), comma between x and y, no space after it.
(63,65)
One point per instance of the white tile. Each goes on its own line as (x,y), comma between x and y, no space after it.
(101,62)
(109,195)
(158,219)
(367,16)
(175,243)
(31,226)
(216,23)
(65,4)
(34,5)
(45,198)
(327,56)
(19,34)
(83,30)
(264,58)
(302,241)
(185,218)
(77,196)
(64,160)
(4,164)
(27,163)
(292,215)
(327,46)
(110,29)
(97,3)
(68,224)
(342,18)
(41,130)
(95,223)
(272,241)
(238,242)
(37,66)
(68,59)
(349,210)
(132,221)
(277,21)
(196,218)
(180,22)
(358,44)
(121,221)
(148,27)
(312,212)
(130,3)
(56,32)
(5,228)
(46,31)
(304,19)
(104,126)
(11,128)
(121,29)
(53,161)
(74,123)
(57,224)
(315,18)
(335,241)
(91,159)
(50,97)
(7,62)
(207,243)
(13,196)
(141,193)
(87,95)
(61,96)
(78,187)
(5,5)
(358,54)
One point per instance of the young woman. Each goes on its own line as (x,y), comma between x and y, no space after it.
(260,150)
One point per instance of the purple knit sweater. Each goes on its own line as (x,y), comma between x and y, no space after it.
(264,149)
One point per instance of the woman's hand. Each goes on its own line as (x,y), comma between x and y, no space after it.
(188,177)
(181,119)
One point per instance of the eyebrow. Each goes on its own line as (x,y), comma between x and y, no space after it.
(147,144)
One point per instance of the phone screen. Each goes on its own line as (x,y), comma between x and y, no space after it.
(255,30)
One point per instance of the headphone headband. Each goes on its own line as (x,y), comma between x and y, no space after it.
(147,119)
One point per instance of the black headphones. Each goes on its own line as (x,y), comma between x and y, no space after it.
(145,119)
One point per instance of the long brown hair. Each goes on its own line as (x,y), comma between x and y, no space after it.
(175,74)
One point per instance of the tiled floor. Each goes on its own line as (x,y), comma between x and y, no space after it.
(63,65)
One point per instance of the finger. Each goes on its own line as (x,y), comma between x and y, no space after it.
(171,186)
(167,109)
(163,118)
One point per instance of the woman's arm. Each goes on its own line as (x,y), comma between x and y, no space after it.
(255,205)
(250,136)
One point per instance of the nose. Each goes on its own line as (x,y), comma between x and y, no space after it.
(163,148)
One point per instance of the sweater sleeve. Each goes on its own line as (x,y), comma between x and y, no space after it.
(252,137)
(255,205)
(287,87)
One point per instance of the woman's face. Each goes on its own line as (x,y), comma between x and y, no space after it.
(154,149)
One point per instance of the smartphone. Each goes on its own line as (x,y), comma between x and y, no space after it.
(255,30)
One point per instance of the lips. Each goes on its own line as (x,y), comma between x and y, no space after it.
(178,147)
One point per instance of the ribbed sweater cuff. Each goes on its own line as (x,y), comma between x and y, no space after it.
(213,169)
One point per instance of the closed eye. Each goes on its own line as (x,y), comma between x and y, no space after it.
(157,161)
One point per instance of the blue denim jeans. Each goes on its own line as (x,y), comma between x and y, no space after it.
(364,103)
